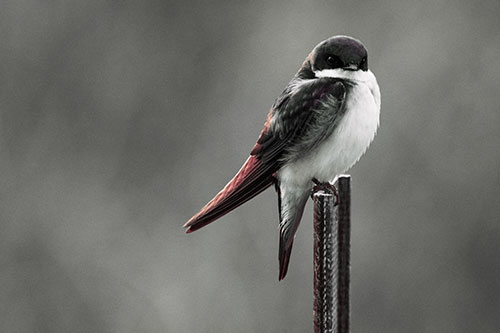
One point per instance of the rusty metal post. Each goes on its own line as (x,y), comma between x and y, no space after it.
(332,231)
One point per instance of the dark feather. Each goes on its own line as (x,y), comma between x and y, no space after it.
(253,178)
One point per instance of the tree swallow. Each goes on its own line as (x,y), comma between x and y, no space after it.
(318,127)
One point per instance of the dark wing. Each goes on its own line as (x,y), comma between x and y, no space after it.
(253,178)
(301,118)
(286,122)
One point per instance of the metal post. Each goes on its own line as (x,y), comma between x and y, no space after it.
(332,230)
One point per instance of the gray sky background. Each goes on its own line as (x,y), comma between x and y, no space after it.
(120,119)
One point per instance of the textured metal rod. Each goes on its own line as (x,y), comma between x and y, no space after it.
(332,230)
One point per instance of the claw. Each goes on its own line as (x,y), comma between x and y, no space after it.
(327,187)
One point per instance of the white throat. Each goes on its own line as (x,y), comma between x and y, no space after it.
(340,73)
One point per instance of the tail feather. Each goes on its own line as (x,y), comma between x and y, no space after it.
(292,203)
(253,178)
(284,257)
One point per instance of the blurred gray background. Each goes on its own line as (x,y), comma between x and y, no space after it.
(120,119)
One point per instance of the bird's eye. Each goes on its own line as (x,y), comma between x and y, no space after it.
(334,61)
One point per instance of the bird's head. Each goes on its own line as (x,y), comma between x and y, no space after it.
(336,53)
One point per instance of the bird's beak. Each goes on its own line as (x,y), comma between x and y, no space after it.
(351,67)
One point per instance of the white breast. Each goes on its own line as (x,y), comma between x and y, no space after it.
(351,137)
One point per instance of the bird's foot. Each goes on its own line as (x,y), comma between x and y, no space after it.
(327,187)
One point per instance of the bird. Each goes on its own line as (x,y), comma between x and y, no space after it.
(317,128)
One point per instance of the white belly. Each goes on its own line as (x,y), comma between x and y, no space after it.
(349,140)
